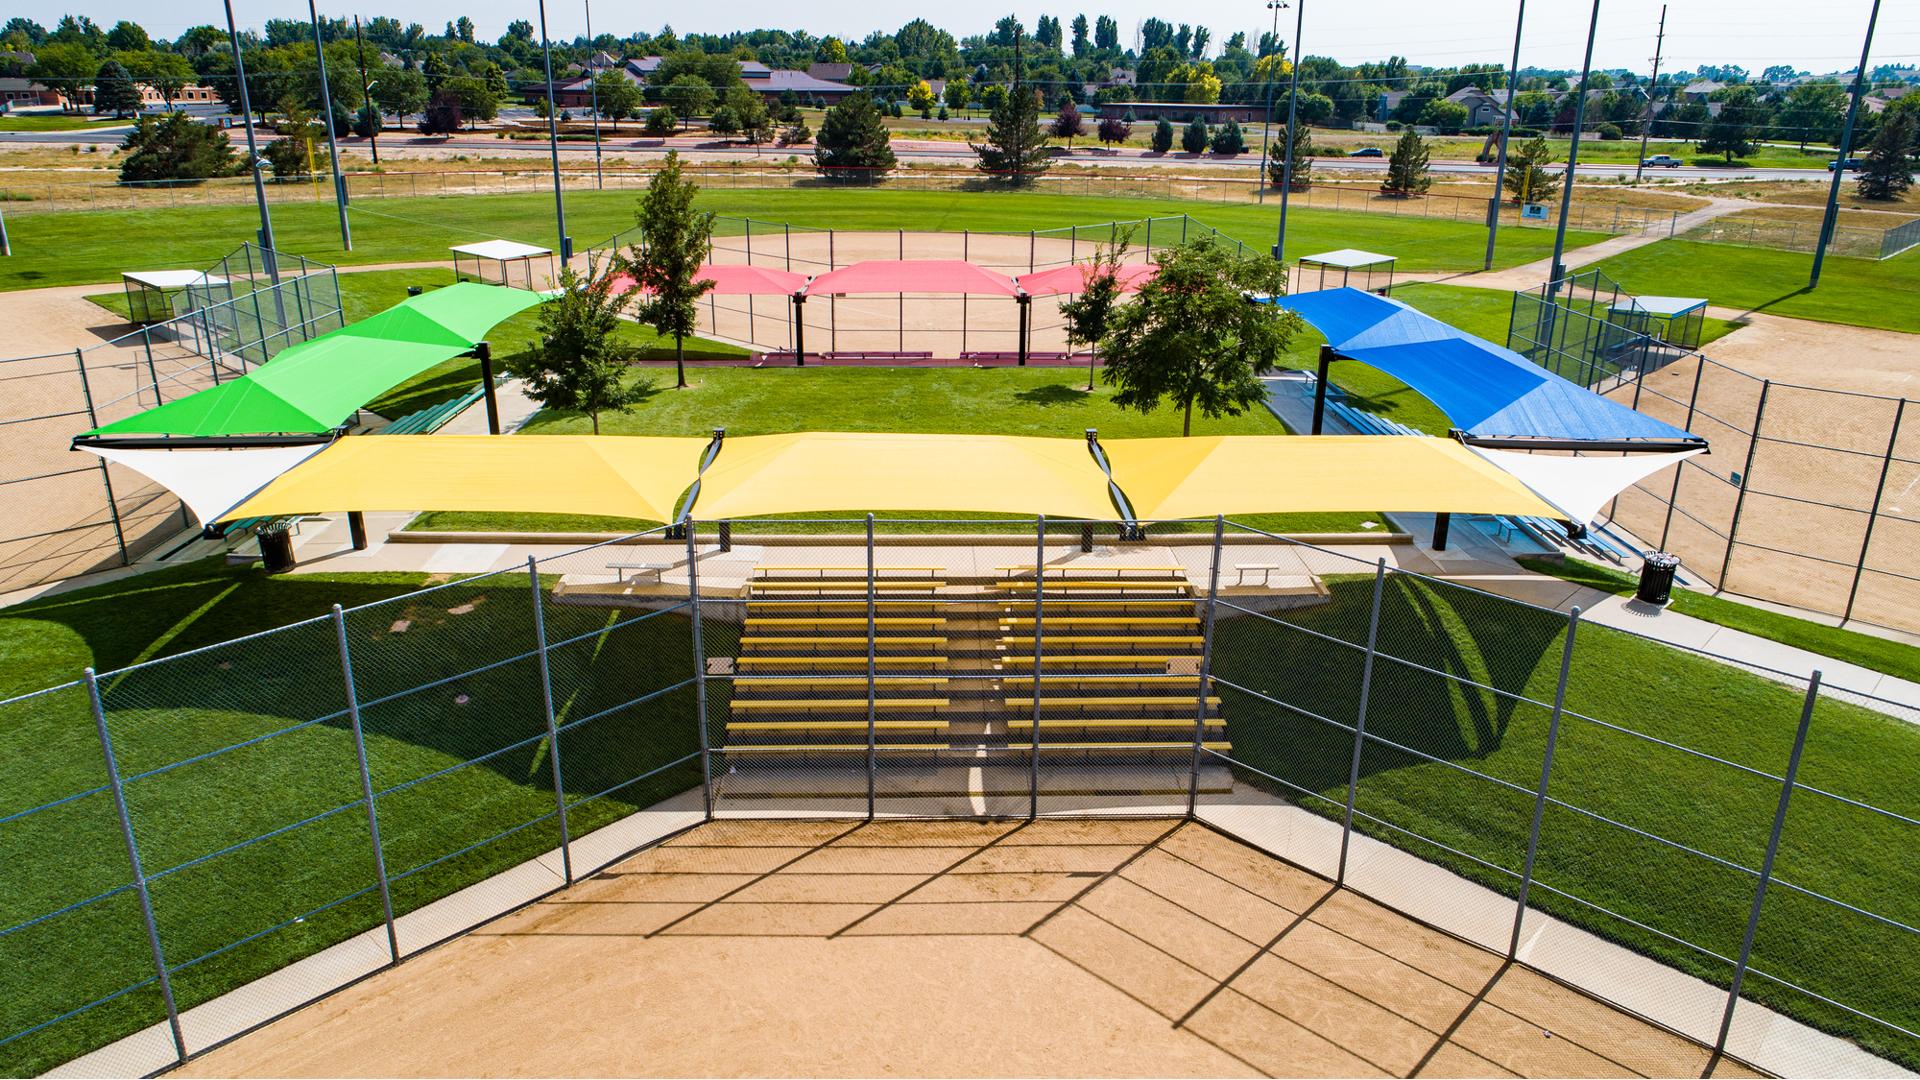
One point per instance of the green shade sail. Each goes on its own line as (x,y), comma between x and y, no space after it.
(316,385)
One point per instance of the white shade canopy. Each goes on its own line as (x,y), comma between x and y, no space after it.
(501,249)
(210,482)
(1580,486)
(1350,258)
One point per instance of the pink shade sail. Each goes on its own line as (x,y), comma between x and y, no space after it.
(731,279)
(1073,279)
(912,276)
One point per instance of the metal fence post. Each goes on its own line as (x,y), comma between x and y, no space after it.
(106,477)
(1766,864)
(1206,664)
(1746,480)
(133,859)
(1546,775)
(873,753)
(1360,718)
(699,671)
(1699,369)
(553,731)
(1873,514)
(366,782)
(1039,652)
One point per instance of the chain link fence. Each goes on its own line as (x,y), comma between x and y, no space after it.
(70,513)
(205,841)
(1857,241)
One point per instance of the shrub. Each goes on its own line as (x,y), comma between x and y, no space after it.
(174,147)
(1162,136)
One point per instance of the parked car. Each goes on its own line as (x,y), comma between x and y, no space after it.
(1664,161)
(1852,164)
(1367,151)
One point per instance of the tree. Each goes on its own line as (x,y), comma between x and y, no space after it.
(1888,171)
(1229,139)
(1527,177)
(1732,132)
(1302,159)
(750,115)
(796,133)
(616,94)
(1407,166)
(476,98)
(174,147)
(723,121)
(443,115)
(1162,136)
(992,96)
(1813,111)
(1090,315)
(401,92)
(64,67)
(1106,33)
(690,96)
(1068,123)
(956,94)
(579,362)
(1015,150)
(660,121)
(1191,339)
(168,73)
(1448,116)
(921,98)
(674,239)
(1114,130)
(128,37)
(852,144)
(113,90)
(1195,137)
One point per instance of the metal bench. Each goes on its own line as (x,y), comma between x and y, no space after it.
(642,571)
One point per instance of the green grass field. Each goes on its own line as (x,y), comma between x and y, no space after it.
(291,683)
(1859,292)
(59,122)
(76,247)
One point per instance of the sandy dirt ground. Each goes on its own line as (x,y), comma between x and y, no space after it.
(1108,948)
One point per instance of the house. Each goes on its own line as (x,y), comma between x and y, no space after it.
(767,82)
(1878,101)
(830,72)
(1485,108)
(1701,90)
(803,85)
(1180,112)
(1118,77)
(16,92)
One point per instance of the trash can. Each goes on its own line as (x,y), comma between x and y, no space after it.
(276,551)
(1656,577)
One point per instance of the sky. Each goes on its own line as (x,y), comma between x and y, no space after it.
(1817,37)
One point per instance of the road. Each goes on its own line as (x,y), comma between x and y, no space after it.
(928,150)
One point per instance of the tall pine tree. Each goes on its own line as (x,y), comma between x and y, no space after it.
(1015,149)
(1888,171)
(1407,166)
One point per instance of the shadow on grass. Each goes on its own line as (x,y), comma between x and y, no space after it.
(1052,394)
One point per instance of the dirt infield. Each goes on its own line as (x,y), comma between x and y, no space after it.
(1109,948)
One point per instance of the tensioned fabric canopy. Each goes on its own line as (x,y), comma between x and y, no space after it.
(1580,486)
(210,482)
(1257,474)
(1063,280)
(912,276)
(316,385)
(821,472)
(562,474)
(733,279)
(1488,391)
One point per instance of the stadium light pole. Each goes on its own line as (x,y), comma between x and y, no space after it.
(1293,117)
(593,86)
(1506,132)
(374,115)
(553,142)
(333,144)
(1266,118)
(1573,157)
(253,155)
(1832,215)
(1653,85)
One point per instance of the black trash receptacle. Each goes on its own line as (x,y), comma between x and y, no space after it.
(276,551)
(1656,577)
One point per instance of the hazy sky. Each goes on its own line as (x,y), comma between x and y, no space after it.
(1820,36)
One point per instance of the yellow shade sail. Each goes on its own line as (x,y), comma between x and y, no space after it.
(825,471)
(562,474)
(1267,474)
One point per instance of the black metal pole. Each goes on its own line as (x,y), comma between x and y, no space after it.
(593,87)
(799,330)
(483,351)
(253,153)
(333,142)
(1506,132)
(1832,217)
(1442,526)
(357,529)
(1573,158)
(1266,118)
(374,115)
(1320,387)
(1293,117)
(553,142)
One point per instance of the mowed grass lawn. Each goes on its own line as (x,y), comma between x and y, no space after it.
(76,247)
(1859,292)
(1433,724)
(226,915)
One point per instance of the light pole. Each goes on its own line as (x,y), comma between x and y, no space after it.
(1506,132)
(253,156)
(1266,118)
(1573,158)
(1653,86)
(1846,147)
(1293,117)
(333,144)
(553,142)
(593,85)
(366,92)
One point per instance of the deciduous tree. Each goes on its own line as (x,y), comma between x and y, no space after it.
(1089,315)
(579,363)
(674,241)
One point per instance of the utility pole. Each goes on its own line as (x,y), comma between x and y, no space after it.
(1293,117)
(253,157)
(1506,132)
(593,87)
(553,142)
(333,143)
(366,92)
(1653,85)
(1266,118)
(1573,157)
(1846,147)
